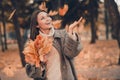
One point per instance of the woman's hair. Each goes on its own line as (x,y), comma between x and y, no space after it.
(34,31)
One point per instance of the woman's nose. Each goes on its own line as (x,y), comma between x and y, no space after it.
(49,19)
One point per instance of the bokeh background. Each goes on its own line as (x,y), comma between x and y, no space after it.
(99,32)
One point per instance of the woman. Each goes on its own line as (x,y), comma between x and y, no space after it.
(57,64)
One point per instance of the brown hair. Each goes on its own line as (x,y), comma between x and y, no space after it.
(34,31)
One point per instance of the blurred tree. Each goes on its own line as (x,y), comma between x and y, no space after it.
(1,41)
(74,12)
(23,9)
(17,6)
(92,8)
(106,20)
(114,16)
(85,8)
(4,28)
(3,36)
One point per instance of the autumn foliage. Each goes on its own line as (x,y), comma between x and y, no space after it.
(35,51)
(63,11)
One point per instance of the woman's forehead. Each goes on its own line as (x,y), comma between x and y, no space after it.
(42,14)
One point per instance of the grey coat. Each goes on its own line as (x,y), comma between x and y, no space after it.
(67,48)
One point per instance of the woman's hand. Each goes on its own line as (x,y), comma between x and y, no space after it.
(73,25)
(43,58)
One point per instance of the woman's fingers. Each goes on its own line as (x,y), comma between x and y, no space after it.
(43,58)
(73,25)
(80,19)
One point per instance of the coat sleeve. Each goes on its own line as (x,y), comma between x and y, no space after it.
(71,47)
(35,72)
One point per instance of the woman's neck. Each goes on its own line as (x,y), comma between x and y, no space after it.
(47,31)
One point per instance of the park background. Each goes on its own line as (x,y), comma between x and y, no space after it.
(99,32)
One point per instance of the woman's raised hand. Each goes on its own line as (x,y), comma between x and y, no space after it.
(73,25)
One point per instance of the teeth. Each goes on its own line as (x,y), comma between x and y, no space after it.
(48,23)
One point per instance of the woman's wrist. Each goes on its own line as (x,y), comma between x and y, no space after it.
(72,35)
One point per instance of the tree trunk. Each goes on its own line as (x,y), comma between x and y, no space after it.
(93,9)
(107,25)
(18,36)
(19,39)
(93,30)
(115,19)
(106,20)
(1,41)
(4,29)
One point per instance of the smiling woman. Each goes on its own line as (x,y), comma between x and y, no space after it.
(59,46)
(44,22)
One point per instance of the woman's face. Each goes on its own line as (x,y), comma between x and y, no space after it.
(44,21)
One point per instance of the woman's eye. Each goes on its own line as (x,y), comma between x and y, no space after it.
(42,18)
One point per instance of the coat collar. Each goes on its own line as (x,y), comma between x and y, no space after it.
(59,33)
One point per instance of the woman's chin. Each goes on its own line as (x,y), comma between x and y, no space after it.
(48,28)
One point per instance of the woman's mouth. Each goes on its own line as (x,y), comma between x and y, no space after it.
(48,23)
